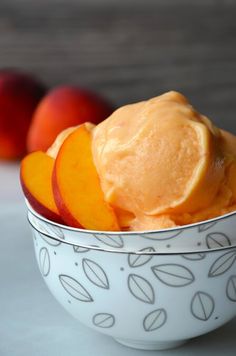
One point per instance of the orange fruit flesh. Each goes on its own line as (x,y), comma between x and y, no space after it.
(76,185)
(36,174)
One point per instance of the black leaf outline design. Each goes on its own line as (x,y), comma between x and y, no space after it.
(80,249)
(95,273)
(45,228)
(155,320)
(141,289)
(207,226)
(44,261)
(162,236)
(202,306)
(74,288)
(194,257)
(49,241)
(231,288)
(135,260)
(110,240)
(173,275)
(222,264)
(104,320)
(56,231)
(217,240)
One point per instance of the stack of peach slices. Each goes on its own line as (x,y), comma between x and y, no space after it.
(67,189)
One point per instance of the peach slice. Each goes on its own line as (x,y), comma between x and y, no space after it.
(54,149)
(76,185)
(35,175)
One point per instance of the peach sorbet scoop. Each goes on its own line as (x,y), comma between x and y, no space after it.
(162,164)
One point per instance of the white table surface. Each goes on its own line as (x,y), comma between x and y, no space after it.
(32,323)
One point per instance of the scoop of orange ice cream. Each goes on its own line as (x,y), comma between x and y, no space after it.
(228,144)
(164,164)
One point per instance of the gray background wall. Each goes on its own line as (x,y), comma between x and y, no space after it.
(128,50)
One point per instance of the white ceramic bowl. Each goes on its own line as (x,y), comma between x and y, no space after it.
(148,290)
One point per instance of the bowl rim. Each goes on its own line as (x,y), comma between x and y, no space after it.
(136,252)
(142,232)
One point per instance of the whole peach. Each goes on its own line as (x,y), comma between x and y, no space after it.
(19,96)
(63,107)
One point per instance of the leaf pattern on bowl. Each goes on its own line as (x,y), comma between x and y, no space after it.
(35,234)
(206,226)
(173,275)
(44,261)
(55,231)
(231,289)
(222,264)
(74,288)
(217,240)
(104,320)
(148,279)
(136,260)
(162,236)
(141,289)
(45,228)
(80,249)
(95,273)
(194,256)
(49,240)
(202,306)
(110,240)
(155,320)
